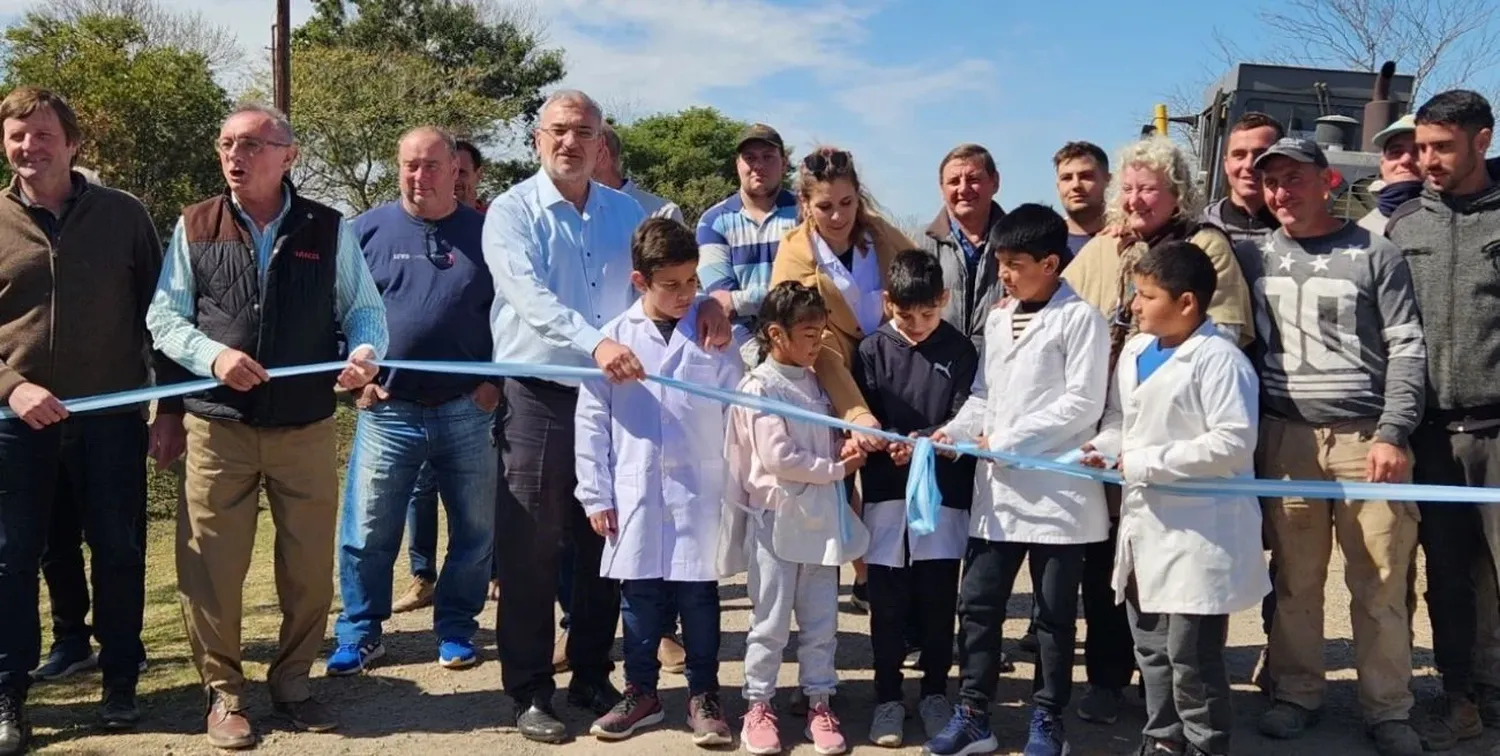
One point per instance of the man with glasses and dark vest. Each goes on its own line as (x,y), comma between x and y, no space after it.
(258,278)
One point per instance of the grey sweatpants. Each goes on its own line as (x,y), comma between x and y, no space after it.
(779,590)
(1181,658)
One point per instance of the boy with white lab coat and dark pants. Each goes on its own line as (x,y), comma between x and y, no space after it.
(1041,393)
(651,479)
(1184,405)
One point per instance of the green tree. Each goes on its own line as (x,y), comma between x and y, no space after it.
(687,156)
(469,65)
(149,111)
(351,106)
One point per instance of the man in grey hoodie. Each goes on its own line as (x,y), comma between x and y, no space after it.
(1451,238)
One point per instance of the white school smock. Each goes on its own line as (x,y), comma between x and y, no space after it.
(1194,417)
(653,453)
(1040,395)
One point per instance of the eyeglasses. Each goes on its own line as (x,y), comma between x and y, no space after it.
(439,249)
(559,133)
(819,163)
(250,145)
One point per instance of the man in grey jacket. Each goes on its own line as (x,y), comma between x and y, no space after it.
(959,236)
(1451,237)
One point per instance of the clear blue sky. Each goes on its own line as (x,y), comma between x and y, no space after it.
(898,82)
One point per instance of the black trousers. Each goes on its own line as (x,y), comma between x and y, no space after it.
(1107,649)
(67,581)
(536,512)
(1454,538)
(90,469)
(988,580)
(924,594)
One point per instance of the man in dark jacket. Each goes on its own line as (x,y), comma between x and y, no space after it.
(255,278)
(79,265)
(1451,237)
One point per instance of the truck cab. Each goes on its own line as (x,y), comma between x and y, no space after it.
(1338,109)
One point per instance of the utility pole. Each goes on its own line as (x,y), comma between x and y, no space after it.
(281,56)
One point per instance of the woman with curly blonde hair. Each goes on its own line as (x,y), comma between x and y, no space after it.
(1153,199)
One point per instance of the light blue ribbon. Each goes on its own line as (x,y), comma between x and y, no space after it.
(923,497)
(921,454)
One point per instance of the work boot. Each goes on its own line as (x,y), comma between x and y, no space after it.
(418,595)
(1396,738)
(1452,718)
(15,731)
(1286,720)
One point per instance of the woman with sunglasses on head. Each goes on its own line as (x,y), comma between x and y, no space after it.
(844,251)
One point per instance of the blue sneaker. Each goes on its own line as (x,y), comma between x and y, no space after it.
(967,733)
(352,658)
(456,653)
(1047,737)
(65,662)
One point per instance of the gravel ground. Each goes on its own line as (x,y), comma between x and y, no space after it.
(408,704)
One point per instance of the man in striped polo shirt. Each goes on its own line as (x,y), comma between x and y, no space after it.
(737,238)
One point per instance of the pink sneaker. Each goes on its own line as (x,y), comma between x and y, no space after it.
(759,735)
(823,729)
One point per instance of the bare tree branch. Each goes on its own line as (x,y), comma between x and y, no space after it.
(188,30)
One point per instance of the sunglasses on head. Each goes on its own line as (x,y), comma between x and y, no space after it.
(439,250)
(819,163)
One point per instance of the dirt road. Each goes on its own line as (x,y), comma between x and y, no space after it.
(408,705)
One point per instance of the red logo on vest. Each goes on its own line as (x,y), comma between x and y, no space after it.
(307,254)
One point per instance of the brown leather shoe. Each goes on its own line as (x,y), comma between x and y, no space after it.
(309,715)
(417,596)
(228,729)
(672,655)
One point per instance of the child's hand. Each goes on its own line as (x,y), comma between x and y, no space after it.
(605,524)
(1091,457)
(852,456)
(944,439)
(900,452)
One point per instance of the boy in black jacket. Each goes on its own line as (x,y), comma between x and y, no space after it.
(915,372)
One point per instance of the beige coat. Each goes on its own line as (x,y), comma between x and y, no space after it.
(1101,275)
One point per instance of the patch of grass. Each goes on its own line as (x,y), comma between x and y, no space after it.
(163,485)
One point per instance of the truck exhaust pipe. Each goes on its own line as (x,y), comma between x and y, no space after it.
(1380,111)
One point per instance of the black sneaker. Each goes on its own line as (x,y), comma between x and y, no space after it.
(540,723)
(15,731)
(599,697)
(118,710)
(65,662)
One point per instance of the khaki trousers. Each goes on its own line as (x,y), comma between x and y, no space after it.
(1377,539)
(227,464)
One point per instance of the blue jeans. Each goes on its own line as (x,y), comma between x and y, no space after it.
(648,610)
(392,441)
(422,524)
(90,469)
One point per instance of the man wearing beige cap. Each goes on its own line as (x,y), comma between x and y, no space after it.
(1400,179)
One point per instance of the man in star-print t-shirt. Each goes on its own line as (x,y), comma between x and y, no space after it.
(1343,369)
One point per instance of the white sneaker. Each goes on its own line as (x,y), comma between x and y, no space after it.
(889,724)
(935,712)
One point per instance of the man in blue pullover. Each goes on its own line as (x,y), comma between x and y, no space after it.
(425,254)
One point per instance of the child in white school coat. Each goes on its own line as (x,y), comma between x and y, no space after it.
(652,482)
(1184,563)
(1040,393)
(788,521)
